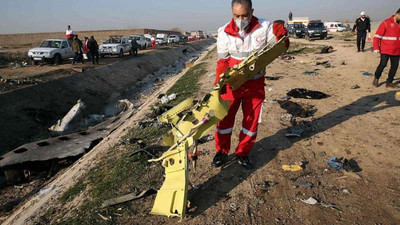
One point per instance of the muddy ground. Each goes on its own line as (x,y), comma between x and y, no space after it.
(357,121)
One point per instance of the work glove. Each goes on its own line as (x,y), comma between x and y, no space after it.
(377,51)
(280,31)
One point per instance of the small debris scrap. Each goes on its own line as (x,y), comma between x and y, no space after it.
(205,139)
(296,109)
(287,57)
(307,94)
(367,74)
(310,201)
(304,184)
(167,99)
(268,184)
(233,207)
(128,197)
(355,87)
(310,73)
(349,165)
(326,49)
(103,217)
(272,77)
(212,74)
(292,168)
(44,191)
(334,163)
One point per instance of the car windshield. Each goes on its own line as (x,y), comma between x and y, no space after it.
(51,44)
(137,38)
(113,41)
(172,36)
(315,25)
(298,25)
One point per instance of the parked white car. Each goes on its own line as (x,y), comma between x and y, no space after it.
(52,51)
(174,39)
(162,39)
(335,26)
(115,45)
(140,39)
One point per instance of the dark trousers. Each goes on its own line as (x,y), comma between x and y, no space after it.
(361,36)
(394,64)
(95,54)
(77,58)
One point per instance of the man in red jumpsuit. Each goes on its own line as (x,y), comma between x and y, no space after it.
(387,42)
(240,37)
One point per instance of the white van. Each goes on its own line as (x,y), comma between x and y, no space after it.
(335,26)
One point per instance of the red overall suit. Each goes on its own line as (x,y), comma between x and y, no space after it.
(233,46)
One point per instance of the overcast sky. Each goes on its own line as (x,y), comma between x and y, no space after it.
(28,16)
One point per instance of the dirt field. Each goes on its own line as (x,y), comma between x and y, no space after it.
(357,121)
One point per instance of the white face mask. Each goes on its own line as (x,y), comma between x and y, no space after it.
(242,24)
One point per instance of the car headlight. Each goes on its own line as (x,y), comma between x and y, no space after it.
(324,31)
(298,31)
(310,31)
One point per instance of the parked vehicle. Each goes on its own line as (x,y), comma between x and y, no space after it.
(115,45)
(335,26)
(174,39)
(52,51)
(140,39)
(162,39)
(316,29)
(184,38)
(296,30)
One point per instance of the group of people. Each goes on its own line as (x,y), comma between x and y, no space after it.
(89,46)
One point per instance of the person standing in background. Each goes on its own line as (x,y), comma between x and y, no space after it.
(362,25)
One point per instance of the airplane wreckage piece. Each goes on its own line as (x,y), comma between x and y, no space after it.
(63,124)
(71,145)
(187,128)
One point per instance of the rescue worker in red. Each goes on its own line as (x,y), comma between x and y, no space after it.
(387,42)
(69,33)
(240,37)
(153,42)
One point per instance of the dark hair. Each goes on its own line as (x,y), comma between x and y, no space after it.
(245,2)
(398,11)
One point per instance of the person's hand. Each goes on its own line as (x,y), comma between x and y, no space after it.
(377,51)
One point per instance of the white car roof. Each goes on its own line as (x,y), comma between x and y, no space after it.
(55,39)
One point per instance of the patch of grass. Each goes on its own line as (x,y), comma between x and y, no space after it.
(118,175)
(187,85)
(72,192)
(346,35)
(297,49)
(210,54)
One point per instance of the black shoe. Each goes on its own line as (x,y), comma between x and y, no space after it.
(391,85)
(363,50)
(358,50)
(244,161)
(375,82)
(219,159)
